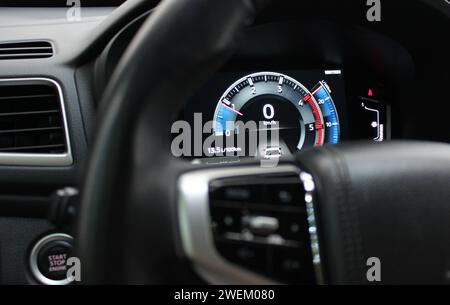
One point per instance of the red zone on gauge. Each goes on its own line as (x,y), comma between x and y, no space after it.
(318,117)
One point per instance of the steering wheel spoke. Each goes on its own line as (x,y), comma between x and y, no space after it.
(250,224)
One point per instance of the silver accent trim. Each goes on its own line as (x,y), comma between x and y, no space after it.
(26,159)
(34,257)
(310,187)
(195,225)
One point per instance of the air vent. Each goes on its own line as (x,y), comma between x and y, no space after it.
(33,128)
(24,50)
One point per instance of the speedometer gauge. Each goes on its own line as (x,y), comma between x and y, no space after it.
(303,118)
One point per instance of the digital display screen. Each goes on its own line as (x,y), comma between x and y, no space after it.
(267,113)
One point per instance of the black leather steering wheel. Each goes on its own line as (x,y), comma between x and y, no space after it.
(145,215)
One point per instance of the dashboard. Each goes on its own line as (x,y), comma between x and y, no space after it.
(369,71)
(365,76)
(301,77)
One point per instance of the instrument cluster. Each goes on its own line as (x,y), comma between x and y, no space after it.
(272,114)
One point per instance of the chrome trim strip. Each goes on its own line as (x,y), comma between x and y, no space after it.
(195,224)
(34,257)
(24,159)
(310,187)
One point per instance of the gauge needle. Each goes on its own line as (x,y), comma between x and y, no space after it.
(232,109)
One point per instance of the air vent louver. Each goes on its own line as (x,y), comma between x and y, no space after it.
(24,50)
(31,118)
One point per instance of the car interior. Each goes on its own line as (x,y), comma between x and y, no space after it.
(229,142)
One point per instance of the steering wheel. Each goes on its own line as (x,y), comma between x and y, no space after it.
(148,217)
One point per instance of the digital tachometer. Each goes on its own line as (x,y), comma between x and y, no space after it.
(303,117)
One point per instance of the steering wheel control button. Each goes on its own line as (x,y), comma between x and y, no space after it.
(226,220)
(237,192)
(294,227)
(261,224)
(292,266)
(286,194)
(49,257)
(253,257)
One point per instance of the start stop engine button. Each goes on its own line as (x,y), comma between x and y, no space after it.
(48,259)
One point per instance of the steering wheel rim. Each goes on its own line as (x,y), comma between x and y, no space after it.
(117,161)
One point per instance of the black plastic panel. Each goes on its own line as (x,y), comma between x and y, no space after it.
(261,224)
